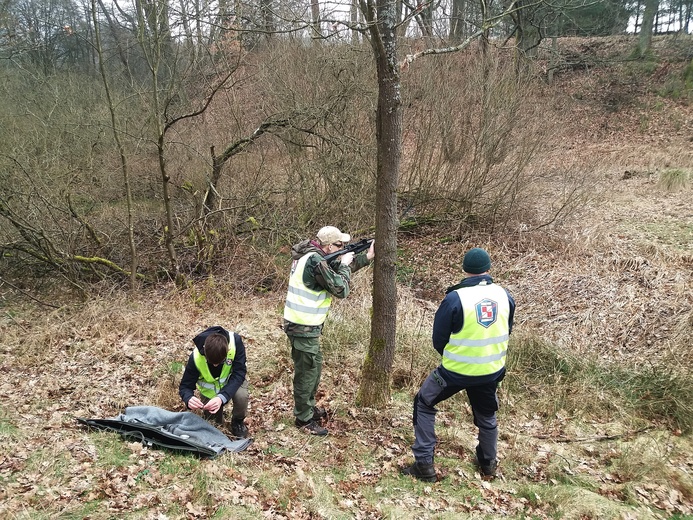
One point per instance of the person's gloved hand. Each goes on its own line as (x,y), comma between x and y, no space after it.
(371,251)
(347,258)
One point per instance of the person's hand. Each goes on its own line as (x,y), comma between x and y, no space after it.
(371,251)
(347,258)
(195,404)
(213,405)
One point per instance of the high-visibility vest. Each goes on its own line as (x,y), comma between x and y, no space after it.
(207,384)
(305,306)
(480,347)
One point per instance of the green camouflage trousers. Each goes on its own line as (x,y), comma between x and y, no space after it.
(307,358)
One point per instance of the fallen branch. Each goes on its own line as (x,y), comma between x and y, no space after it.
(105,262)
(596,438)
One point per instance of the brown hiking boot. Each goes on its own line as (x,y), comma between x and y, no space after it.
(319,413)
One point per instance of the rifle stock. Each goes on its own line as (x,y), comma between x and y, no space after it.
(355,248)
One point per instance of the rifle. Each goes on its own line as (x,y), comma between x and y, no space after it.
(356,247)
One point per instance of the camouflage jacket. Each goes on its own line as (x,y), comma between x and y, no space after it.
(321,276)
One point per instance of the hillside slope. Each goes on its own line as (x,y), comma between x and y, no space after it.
(609,281)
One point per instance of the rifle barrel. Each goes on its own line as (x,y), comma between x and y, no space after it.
(356,247)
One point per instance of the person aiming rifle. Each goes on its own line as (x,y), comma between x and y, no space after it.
(321,269)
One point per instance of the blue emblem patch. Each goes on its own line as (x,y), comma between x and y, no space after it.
(486,312)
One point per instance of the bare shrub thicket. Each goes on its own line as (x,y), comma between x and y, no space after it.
(471,130)
(324,172)
(296,128)
(302,153)
(52,172)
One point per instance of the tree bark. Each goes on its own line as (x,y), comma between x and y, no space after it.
(645,37)
(134,259)
(354,18)
(457,21)
(315,14)
(527,31)
(154,46)
(377,367)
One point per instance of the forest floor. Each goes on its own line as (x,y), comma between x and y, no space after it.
(610,280)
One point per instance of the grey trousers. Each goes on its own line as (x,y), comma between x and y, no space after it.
(484,404)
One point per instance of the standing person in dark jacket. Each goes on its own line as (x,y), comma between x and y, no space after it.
(312,284)
(470,331)
(217,368)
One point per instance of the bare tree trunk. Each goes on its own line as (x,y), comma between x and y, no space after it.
(354,18)
(645,37)
(315,14)
(637,16)
(121,152)
(457,21)
(154,46)
(554,59)
(425,18)
(267,18)
(402,19)
(377,367)
(186,22)
(528,33)
(114,33)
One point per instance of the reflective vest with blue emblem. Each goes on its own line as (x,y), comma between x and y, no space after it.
(305,306)
(480,347)
(207,384)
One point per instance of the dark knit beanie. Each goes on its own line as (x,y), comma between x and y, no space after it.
(476,261)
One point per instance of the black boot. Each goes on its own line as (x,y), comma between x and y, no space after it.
(238,428)
(488,471)
(311,427)
(487,468)
(423,472)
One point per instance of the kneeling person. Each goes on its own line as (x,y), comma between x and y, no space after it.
(218,369)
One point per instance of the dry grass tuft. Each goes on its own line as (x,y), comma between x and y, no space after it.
(674,179)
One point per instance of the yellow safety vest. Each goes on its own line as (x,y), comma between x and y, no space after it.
(480,347)
(207,384)
(305,306)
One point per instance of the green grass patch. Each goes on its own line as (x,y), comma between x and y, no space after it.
(175,367)
(177,465)
(7,427)
(93,507)
(671,233)
(549,380)
(110,450)
(658,394)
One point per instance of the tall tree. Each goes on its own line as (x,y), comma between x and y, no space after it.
(381,16)
(527,18)
(457,25)
(134,260)
(382,21)
(647,27)
(315,19)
